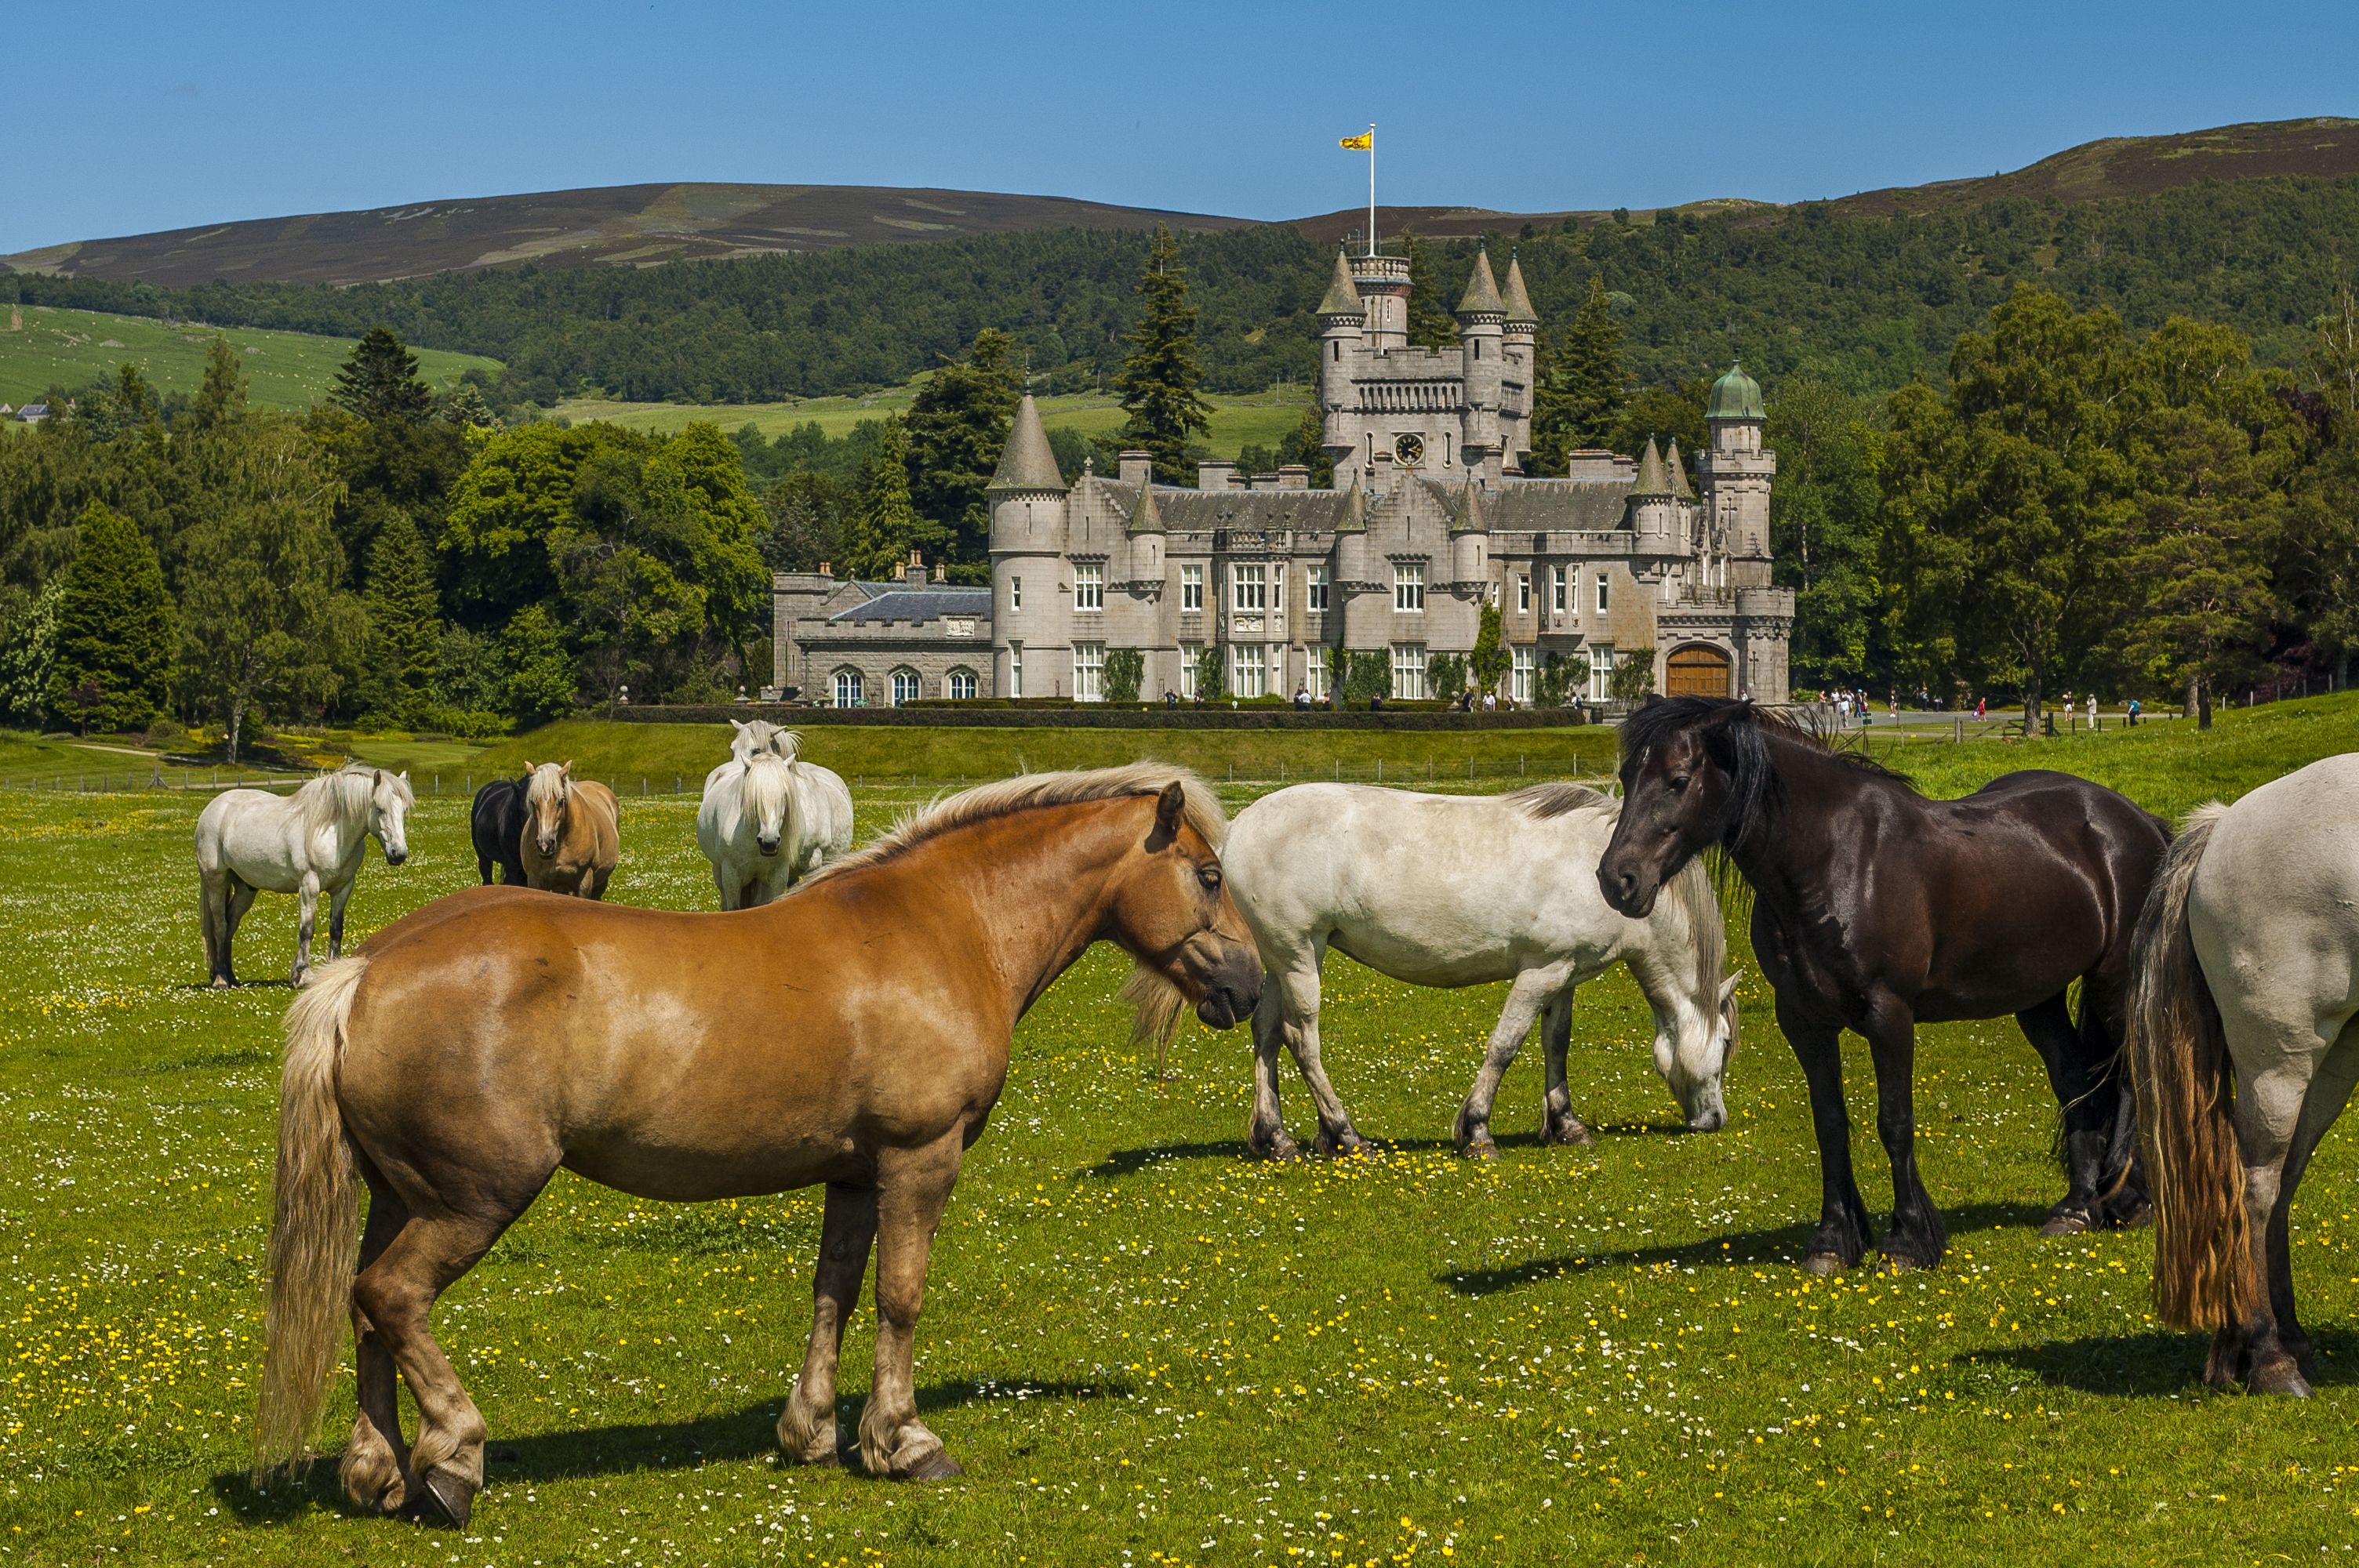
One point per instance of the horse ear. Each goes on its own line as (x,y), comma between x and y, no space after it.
(567,769)
(1652,697)
(531,768)
(376,777)
(737,725)
(1728,989)
(1169,806)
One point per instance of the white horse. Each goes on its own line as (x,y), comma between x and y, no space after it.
(250,840)
(768,819)
(1456,891)
(2248,975)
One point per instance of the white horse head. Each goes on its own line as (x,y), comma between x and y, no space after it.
(755,737)
(1691,1052)
(766,798)
(548,787)
(389,802)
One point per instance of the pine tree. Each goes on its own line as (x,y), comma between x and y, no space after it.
(1306,444)
(220,398)
(1158,380)
(1582,396)
(1489,660)
(380,382)
(957,427)
(405,626)
(885,527)
(1430,324)
(112,664)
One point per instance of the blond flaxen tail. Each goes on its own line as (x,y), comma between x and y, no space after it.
(315,1228)
(2185,1083)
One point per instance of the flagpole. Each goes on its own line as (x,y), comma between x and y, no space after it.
(1372,187)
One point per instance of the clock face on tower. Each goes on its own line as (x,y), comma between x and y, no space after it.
(1410,449)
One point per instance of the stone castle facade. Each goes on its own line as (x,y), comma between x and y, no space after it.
(1433,514)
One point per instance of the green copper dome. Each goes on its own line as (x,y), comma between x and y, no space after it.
(1735,395)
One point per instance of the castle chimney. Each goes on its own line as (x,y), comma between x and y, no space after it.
(1137,467)
(1216,474)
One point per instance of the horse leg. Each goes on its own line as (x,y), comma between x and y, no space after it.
(2087,1121)
(2121,1174)
(1917,1238)
(1336,1133)
(307,916)
(727,887)
(337,899)
(239,899)
(912,1186)
(1558,1124)
(807,1426)
(1266,1129)
(213,917)
(2330,1091)
(1471,1131)
(1844,1231)
(375,1459)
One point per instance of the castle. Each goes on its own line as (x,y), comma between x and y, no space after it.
(1434,514)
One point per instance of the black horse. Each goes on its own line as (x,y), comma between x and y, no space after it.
(496,824)
(1876,909)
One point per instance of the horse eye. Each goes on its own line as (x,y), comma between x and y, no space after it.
(1678,783)
(1210,877)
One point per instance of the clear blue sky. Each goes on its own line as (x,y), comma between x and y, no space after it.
(129,117)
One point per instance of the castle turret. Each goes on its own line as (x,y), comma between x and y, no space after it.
(1026,497)
(1382,284)
(1737,472)
(1516,389)
(1482,331)
(1342,329)
(1653,512)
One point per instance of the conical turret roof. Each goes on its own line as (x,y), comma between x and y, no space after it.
(1679,472)
(1028,463)
(1146,517)
(1481,291)
(1342,294)
(1519,304)
(1467,516)
(1652,479)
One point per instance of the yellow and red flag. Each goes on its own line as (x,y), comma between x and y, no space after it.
(1361,143)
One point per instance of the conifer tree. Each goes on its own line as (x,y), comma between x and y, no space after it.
(220,398)
(1430,324)
(1306,444)
(1158,380)
(112,664)
(1581,395)
(380,382)
(405,619)
(957,427)
(885,527)
(1489,661)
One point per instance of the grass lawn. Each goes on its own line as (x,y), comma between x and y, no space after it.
(1238,420)
(286,370)
(1144,1349)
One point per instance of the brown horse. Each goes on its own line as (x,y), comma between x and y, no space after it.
(572,831)
(479,1044)
(1876,910)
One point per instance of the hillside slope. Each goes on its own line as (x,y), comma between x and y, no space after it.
(636,226)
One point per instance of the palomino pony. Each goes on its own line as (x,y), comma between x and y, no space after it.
(572,833)
(1455,891)
(1876,910)
(495,825)
(2248,976)
(769,819)
(479,1044)
(313,839)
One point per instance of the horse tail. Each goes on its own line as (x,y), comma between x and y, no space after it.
(2180,1068)
(315,1228)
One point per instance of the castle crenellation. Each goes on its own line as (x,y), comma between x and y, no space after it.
(1433,515)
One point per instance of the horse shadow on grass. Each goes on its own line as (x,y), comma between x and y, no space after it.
(1781,1247)
(631,1447)
(2152,1364)
(1130,1162)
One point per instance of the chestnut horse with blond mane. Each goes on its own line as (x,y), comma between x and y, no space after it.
(476,1045)
(572,831)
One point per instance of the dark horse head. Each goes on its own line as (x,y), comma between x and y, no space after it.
(1696,773)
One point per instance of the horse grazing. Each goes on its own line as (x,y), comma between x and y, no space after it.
(572,831)
(495,823)
(250,840)
(484,1041)
(2248,974)
(1457,890)
(1876,909)
(769,819)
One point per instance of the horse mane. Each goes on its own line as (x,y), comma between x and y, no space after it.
(335,798)
(1690,892)
(1739,742)
(1546,800)
(532,781)
(1007,797)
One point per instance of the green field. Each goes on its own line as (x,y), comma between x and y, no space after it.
(1143,1347)
(1238,421)
(41,347)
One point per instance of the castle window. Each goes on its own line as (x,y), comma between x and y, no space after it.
(1015,593)
(1015,672)
(1277,588)
(1601,592)
(1089,668)
(1339,350)
(1600,669)
(907,687)
(1089,585)
(1408,586)
(1559,585)
(1314,675)
(1519,674)
(1191,654)
(1191,590)
(1248,587)
(847,687)
(959,685)
(1314,589)
(1248,670)
(1523,594)
(1408,672)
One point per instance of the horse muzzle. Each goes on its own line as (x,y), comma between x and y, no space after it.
(395,857)
(767,846)
(1628,891)
(546,843)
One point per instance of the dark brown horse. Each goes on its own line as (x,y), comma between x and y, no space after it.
(855,1034)
(1876,909)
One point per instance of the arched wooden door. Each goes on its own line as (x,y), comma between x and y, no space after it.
(1697,672)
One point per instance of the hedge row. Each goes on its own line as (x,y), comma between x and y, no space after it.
(1101,717)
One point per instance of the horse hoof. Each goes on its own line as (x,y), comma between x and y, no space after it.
(1570,1130)
(935,1466)
(2137,1216)
(222,982)
(453,1496)
(2278,1376)
(2070,1222)
(1480,1147)
(1900,1264)
(1347,1141)
(1824,1264)
(1280,1148)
